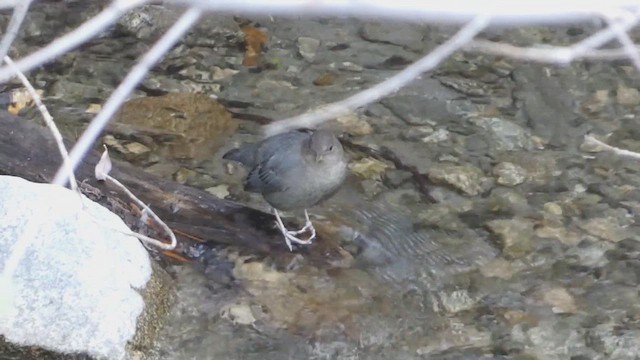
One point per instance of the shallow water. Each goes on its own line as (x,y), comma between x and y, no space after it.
(489,234)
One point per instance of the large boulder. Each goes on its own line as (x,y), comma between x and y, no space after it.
(80,289)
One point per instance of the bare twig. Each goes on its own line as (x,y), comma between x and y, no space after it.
(19,13)
(602,37)
(102,169)
(135,76)
(48,119)
(431,60)
(592,142)
(82,34)
(147,210)
(624,39)
(503,12)
(547,54)
(5,4)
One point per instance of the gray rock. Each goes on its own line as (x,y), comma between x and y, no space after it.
(78,287)
(509,174)
(416,133)
(418,110)
(506,135)
(466,178)
(394,178)
(407,35)
(628,96)
(307,47)
(546,104)
(609,340)
(514,236)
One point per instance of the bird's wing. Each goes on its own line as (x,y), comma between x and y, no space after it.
(279,160)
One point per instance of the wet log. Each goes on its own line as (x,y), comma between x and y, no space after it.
(28,150)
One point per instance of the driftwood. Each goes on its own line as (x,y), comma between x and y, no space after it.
(27,150)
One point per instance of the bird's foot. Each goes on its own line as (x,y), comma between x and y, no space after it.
(292,236)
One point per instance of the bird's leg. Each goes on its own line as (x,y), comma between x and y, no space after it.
(290,236)
(307,226)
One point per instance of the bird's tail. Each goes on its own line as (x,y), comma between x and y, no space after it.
(244,155)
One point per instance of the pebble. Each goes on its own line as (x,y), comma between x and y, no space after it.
(307,47)
(466,178)
(509,174)
(515,236)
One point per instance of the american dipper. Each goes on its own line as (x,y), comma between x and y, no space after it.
(293,170)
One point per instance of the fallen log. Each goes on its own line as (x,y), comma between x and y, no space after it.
(28,150)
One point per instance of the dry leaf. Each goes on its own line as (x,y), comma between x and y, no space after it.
(254,40)
(103,167)
(20,98)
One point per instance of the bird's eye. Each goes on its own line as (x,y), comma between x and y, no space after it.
(331,148)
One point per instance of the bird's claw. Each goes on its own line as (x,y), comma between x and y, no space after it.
(291,236)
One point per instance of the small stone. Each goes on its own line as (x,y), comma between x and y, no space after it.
(114,144)
(628,96)
(552,208)
(137,149)
(220,191)
(605,228)
(559,233)
(368,168)
(274,85)
(439,135)
(223,74)
(515,317)
(440,216)
(466,178)
(509,174)
(93,109)
(355,125)
(596,103)
(349,66)
(406,35)
(514,236)
(416,133)
(560,300)
(456,301)
(325,79)
(307,47)
(183,175)
(238,314)
(505,200)
(371,187)
(394,178)
(499,268)
(507,135)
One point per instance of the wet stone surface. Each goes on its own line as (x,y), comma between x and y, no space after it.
(483,231)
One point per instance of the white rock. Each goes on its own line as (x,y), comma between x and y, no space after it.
(76,285)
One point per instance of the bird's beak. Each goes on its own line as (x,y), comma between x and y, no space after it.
(319,157)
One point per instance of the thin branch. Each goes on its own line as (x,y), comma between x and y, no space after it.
(591,141)
(5,4)
(133,78)
(19,13)
(48,119)
(70,41)
(147,210)
(502,12)
(624,39)
(602,37)
(368,96)
(548,54)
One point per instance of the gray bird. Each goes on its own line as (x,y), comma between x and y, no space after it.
(293,170)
